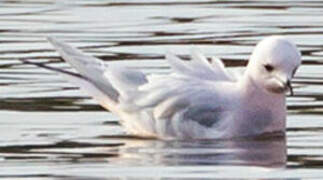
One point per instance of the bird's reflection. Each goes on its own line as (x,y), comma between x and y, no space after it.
(267,151)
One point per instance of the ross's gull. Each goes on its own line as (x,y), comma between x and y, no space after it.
(199,100)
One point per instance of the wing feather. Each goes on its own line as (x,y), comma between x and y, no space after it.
(178,66)
(199,67)
(126,81)
(84,83)
(88,66)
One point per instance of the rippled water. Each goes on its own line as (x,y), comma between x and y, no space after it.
(50,130)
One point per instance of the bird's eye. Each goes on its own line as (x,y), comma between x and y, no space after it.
(269,67)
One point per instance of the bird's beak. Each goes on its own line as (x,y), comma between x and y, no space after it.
(286,84)
(290,87)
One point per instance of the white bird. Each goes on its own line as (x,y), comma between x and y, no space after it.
(199,100)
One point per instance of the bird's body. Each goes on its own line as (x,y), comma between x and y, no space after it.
(193,108)
(199,100)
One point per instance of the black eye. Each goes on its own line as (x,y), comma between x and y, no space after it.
(269,68)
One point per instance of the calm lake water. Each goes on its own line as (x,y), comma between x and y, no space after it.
(51,130)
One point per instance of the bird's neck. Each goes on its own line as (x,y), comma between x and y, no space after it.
(258,99)
(250,88)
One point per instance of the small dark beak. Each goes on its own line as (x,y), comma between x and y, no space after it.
(290,87)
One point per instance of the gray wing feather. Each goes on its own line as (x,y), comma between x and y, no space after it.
(205,115)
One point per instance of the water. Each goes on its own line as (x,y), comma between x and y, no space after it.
(51,130)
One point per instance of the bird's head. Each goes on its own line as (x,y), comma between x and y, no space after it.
(273,64)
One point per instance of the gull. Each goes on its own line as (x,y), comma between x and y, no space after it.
(200,99)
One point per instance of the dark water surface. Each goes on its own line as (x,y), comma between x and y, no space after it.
(51,130)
